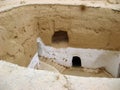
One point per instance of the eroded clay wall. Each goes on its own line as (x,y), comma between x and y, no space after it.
(20,44)
(87,27)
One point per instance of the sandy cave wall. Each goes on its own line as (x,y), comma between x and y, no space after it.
(20,43)
(86,27)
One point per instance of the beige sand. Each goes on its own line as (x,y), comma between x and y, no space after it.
(77,71)
(48,64)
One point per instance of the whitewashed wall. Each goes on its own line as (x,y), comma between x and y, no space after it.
(90,58)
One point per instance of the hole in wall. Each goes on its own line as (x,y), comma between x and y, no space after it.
(76,61)
(60,39)
(60,36)
(15,36)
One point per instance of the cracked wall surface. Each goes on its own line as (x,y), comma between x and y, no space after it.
(89,28)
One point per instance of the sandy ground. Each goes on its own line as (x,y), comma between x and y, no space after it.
(77,71)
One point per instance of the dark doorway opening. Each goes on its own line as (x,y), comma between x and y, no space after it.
(76,61)
(60,36)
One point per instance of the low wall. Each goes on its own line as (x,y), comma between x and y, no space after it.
(14,77)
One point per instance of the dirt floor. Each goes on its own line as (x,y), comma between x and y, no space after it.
(77,71)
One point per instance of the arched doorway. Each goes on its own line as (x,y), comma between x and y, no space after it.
(76,61)
(60,36)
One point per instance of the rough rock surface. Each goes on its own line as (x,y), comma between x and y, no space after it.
(14,77)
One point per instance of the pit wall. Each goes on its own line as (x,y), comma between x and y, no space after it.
(87,27)
(18,35)
(90,58)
